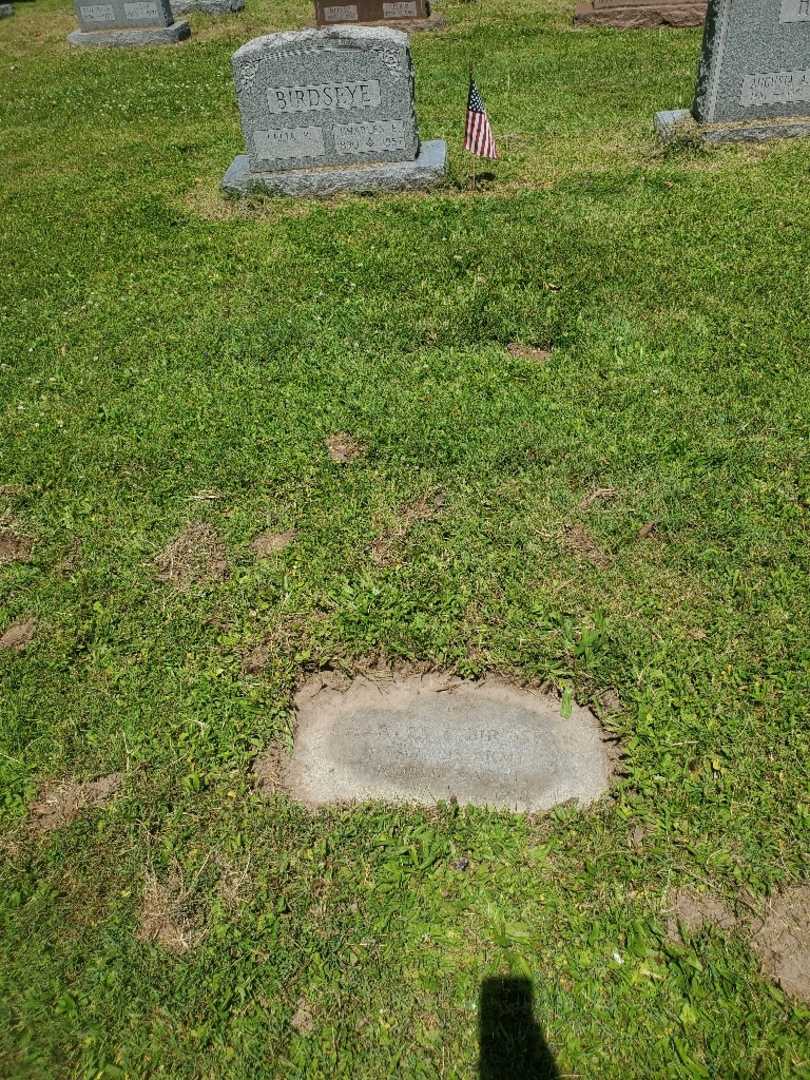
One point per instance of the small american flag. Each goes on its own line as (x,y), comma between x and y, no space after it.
(478,138)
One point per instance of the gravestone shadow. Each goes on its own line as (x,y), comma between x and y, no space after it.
(511,1044)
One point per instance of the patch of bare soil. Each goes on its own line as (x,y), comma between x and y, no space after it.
(343,448)
(164,920)
(580,542)
(692,911)
(13,547)
(648,531)
(233,884)
(271,543)
(255,661)
(194,557)
(268,771)
(781,940)
(599,494)
(384,549)
(537,353)
(18,635)
(303,1021)
(59,804)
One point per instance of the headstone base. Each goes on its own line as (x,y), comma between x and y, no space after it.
(147,35)
(675,123)
(426,171)
(640,16)
(6,10)
(207,7)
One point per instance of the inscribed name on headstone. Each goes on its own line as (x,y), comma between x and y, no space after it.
(330,97)
(123,14)
(755,63)
(332,12)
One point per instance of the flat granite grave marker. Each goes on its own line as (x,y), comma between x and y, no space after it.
(331,110)
(422,739)
(127,23)
(635,14)
(207,7)
(754,76)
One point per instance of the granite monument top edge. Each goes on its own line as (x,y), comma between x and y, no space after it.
(385,35)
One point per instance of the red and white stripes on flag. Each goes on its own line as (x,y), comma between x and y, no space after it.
(478,138)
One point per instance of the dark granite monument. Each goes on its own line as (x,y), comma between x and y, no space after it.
(330,110)
(127,22)
(636,14)
(406,14)
(754,77)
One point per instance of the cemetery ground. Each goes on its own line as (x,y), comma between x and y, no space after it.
(555,428)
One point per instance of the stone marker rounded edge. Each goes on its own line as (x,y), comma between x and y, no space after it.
(670,123)
(293,782)
(428,170)
(280,39)
(151,35)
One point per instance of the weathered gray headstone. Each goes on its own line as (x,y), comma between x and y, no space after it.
(207,7)
(754,77)
(329,110)
(422,739)
(127,22)
(6,10)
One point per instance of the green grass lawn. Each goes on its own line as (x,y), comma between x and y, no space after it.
(168,359)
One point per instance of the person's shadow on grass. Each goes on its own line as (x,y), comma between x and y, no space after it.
(512,1046)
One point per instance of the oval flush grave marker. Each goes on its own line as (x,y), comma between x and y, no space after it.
(413,739)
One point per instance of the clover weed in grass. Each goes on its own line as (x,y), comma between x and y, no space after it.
(167,359)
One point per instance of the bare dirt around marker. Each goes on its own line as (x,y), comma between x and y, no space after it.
(782,941)
(428,738)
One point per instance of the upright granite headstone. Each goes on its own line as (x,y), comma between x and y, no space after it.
(127,22)
(6,10)
(754,77)
(408,14)
(635,14)
(329,110)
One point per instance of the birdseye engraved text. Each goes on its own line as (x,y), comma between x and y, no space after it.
(795,11)
(285,143)
(142,9)
(324,97)
(97,13)
(340,13)
(775,88)
(365,137)
(402,9)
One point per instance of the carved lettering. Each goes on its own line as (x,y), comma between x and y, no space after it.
(97,13)
(365,137)
(285,143)
(142,9)
(328,96)
(340,13)
(403,9)
(775,88)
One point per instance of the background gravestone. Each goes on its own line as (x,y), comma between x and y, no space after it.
(329,110)
(127,22)
(409,14)
(754,77)
(207,7)
(6,10)
(634,14)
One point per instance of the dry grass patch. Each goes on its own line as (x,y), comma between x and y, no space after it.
(269,543)
(580,542)
(13,546)
(195,557)
(18,635)
(344,448)
(538,353)
(58,804)
(164,917)
(268,771)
